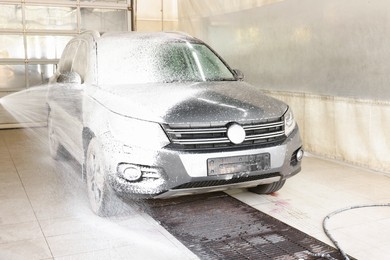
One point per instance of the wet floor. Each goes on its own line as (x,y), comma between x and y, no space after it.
(218,226)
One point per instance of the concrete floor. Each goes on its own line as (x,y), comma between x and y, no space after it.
(44,212)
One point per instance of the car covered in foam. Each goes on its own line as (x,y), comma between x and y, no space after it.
(159,115)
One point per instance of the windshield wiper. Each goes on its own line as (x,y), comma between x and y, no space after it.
(225,79)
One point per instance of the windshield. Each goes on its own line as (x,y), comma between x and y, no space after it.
(138,62)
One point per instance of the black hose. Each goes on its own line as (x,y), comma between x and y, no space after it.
(322,255)
(326,230)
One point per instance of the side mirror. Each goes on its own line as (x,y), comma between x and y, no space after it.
(238,74)
(69,77)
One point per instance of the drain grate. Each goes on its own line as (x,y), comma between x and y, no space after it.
(217,226)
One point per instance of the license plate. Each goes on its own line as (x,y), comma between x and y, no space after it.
(239,164)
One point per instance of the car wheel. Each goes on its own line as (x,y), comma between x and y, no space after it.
(268,188)
(103,201)
(54,144)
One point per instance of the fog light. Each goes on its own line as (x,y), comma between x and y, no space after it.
(299,155)
(130,172)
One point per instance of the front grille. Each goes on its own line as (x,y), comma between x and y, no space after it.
(203,138)
(213,183)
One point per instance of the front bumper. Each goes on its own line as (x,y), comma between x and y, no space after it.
(170,173)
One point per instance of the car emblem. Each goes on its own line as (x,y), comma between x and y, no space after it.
(236,133)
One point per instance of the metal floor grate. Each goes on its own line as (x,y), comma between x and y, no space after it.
(217,226)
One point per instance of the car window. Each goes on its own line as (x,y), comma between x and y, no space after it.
(67,57)
(80,61)
(212,66)
(138,62)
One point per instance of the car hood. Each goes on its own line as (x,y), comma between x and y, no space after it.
(189,103)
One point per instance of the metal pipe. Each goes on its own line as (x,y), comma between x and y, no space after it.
(133,9)
(162,15)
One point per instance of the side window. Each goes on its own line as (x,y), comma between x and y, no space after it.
(80,62)
(67,57)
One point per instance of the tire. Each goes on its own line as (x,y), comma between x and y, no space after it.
(54,144)
(103,201)
(268,188)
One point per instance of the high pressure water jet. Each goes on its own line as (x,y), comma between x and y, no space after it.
(26,107)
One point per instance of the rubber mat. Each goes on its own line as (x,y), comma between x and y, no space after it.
(217,226)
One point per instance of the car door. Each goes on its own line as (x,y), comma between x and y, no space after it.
(75,93)
(65,98)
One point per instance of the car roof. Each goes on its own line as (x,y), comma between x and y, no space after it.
(149,36)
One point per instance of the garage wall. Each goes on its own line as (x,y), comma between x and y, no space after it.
(346,129)
(156,15)
(327,58)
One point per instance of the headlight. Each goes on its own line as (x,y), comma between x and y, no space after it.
(289,122)
(139,133)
